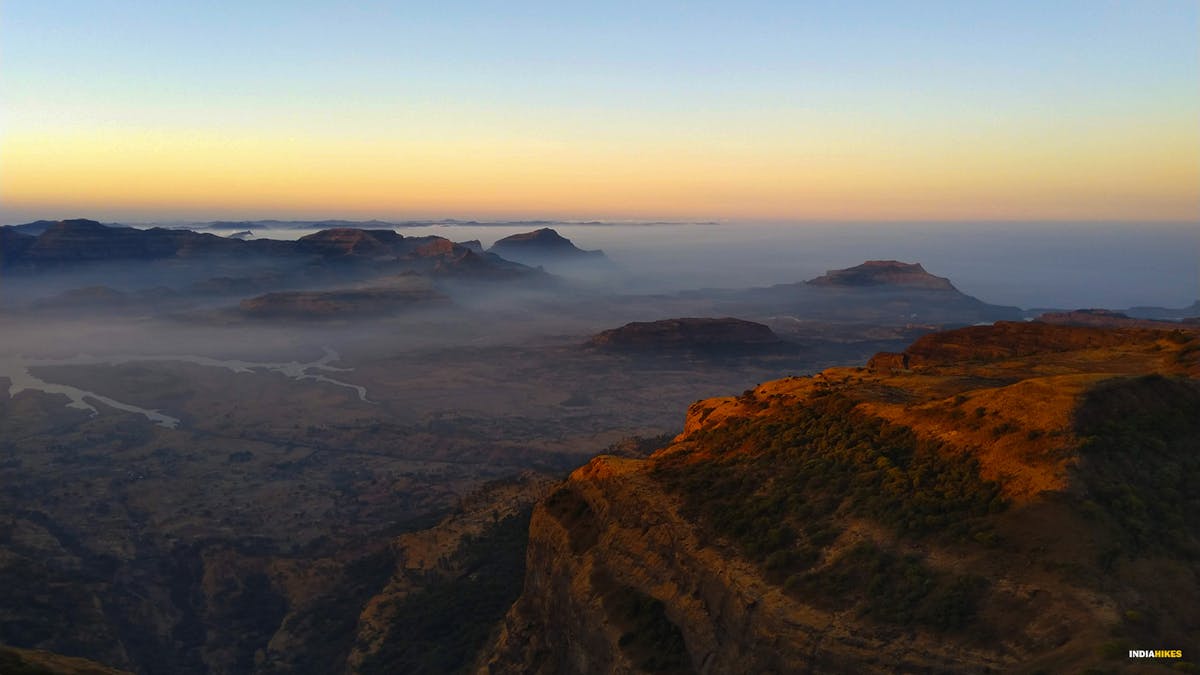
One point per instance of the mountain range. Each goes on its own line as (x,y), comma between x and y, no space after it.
(68,242)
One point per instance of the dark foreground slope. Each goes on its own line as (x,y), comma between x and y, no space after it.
(1015,498)
(15,661)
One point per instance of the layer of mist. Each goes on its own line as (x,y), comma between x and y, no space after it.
(1066,265)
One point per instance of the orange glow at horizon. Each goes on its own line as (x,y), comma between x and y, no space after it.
(836,174)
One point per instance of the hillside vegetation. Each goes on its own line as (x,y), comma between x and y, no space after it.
(1013,498)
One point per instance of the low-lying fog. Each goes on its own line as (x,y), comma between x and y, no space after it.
(158,426)
(1028,265)
(1072,265)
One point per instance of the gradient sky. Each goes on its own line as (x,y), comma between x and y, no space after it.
(140,110)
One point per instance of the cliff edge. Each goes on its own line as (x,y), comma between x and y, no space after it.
(1016,499)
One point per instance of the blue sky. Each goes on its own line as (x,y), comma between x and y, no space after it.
(755,86)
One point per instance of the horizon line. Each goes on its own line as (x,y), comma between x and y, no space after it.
(467,221)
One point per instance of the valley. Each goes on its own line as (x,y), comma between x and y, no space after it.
(327,457)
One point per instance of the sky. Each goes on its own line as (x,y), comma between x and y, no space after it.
(776,111)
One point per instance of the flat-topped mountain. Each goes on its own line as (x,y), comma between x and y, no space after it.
(542,246)
(884,273)
(878,291)
(700,334)
(1019,502)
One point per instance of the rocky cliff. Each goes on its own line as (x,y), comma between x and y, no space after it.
(1015,500)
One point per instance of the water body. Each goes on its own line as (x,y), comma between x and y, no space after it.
(17,370)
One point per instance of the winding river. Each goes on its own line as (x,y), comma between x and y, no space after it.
(17,370)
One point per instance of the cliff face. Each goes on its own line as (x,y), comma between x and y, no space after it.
(1021,507)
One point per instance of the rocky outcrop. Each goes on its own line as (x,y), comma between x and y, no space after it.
(884,273)
(697,334)
(862,521)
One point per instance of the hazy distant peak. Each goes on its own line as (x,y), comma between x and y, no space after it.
(77,225)
(884,273)
(35,228)
(540,246)
(544,235)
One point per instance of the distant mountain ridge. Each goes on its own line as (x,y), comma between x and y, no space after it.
(78,241)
